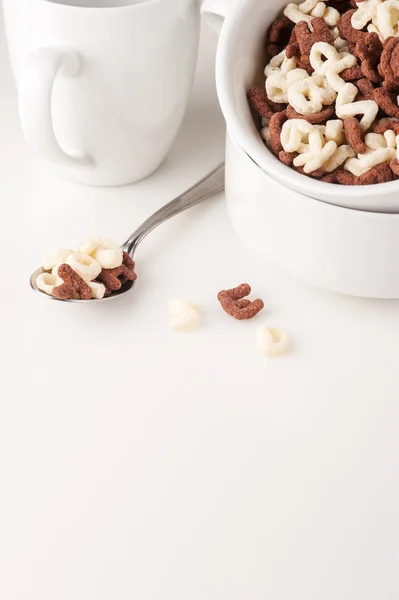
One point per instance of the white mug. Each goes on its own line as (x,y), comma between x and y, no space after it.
(103,84)
(216,11)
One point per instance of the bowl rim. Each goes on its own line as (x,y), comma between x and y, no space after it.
(262,156)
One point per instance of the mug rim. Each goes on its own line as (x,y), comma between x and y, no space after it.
(262,157)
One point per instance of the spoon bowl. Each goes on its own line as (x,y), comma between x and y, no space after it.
(125,288)
(205,188)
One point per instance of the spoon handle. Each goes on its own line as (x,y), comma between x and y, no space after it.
(207,187)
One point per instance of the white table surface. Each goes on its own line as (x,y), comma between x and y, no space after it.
(141,464)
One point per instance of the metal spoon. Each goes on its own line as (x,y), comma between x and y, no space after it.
(207,187)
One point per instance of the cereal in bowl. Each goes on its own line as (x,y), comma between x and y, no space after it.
(330,105)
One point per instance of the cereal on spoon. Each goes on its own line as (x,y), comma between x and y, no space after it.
(330,107)
(97,268)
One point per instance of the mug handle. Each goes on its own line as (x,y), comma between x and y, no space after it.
(215,12)
(35,91)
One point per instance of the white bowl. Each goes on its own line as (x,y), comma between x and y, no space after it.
(348,251)
(240,63)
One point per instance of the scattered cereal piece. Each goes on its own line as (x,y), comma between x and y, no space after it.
(234,303)
(185,315)
(55,257)
(271,341)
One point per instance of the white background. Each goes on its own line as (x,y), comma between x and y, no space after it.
(139,463)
